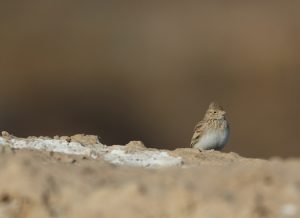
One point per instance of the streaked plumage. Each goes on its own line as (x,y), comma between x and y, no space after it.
(213,131)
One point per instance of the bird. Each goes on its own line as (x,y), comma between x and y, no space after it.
(212,132)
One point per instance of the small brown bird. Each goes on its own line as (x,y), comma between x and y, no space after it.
(213,131)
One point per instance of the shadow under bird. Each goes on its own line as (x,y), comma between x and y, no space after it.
(213,131)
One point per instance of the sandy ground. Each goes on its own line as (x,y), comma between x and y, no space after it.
(94,180)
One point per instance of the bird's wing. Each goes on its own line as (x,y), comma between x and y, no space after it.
(197,133)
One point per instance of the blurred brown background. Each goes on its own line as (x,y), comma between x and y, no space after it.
(137,70)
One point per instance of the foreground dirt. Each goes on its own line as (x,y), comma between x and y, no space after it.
(40,184)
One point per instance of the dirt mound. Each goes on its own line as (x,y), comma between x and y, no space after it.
(135,181)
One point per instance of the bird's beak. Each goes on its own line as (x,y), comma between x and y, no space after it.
(223,112)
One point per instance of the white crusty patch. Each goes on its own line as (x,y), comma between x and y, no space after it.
(142,158)
(112,154)
(289,210)
(54,145)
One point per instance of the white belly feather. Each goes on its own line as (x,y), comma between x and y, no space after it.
(213,139)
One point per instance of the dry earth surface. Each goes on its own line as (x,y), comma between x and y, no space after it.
(80,177)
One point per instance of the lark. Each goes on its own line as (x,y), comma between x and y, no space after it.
(213,131)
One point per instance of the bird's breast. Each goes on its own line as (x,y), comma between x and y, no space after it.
(213,139)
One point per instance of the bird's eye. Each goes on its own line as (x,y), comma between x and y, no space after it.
(215,112)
